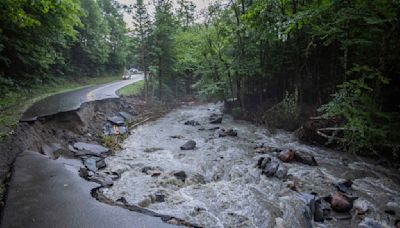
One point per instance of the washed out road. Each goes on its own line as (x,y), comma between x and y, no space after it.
(73,100)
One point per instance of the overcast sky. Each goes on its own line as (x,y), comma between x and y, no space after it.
(200,4)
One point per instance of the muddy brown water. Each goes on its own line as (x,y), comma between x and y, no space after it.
(224,188)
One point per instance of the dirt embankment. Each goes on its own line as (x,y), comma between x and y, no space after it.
(85,124)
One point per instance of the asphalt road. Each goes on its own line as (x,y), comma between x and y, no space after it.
(73,100)
(46,193)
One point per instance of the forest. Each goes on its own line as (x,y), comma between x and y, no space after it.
(277,62)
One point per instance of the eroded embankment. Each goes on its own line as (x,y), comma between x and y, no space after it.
(84,124)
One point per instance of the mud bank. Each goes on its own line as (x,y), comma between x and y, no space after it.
(62,129)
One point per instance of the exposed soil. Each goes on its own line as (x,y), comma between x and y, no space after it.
(84,124)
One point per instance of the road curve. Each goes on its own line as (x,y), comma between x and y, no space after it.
(73,100)
(47,193)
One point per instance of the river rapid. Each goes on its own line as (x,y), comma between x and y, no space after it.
(221,186)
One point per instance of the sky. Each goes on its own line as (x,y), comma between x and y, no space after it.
(200,4)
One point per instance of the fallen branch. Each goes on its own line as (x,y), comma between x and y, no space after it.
(330,137)
(141,122)
(333,129)
(321,117)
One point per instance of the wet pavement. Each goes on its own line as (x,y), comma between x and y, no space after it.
(218,183)
(49,193)
(72,100)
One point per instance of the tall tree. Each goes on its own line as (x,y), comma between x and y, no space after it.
(142,30)
(163,42)
(91,51)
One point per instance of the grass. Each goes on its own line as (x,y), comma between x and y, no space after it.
(132,89)
(14,103)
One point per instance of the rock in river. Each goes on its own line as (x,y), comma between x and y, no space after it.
(226,132)
(286,155)
(344,186)
(268,166)
(192,123)
(305,159)
(189,145)
(216,118)
(181,175)
(340,202)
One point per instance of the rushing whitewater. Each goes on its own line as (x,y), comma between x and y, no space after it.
(222,186)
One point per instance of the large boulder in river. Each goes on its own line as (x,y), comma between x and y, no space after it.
(268,166)
(340,202)
(286,155)
(189,145)
(215,118)
(305,158)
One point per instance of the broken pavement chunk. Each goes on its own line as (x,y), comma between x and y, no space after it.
(128,117)
(118,120)
(91,149)
(94,163)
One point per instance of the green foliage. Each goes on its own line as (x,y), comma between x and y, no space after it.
(285,114)
(40,40)
(134,89)
(367,127)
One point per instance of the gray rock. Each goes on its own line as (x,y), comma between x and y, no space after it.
(192,123)
(189,145)
(215,118)
(91,149)
(344,186)
(268,166)
(102,178)
(117,120)
(281,172)
(159,197)
(226,132)
(94,163)
(181,175)
(305,158)
(128,117)
(392,206)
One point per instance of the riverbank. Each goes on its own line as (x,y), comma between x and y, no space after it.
(59,149)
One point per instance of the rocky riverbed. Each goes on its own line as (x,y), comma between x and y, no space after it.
(235,174)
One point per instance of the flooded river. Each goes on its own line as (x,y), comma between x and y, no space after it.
(218,183)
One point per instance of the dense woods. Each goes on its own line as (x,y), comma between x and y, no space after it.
(278,60)
(43,41)
(281,59)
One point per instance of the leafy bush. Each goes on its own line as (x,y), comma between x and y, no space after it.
(367,127)
(285,114)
